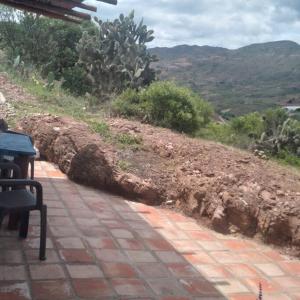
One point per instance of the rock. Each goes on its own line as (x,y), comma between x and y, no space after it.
(219,221)
(2,98)
(266,196)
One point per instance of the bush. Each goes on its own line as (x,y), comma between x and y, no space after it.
(251,125)
(167,105)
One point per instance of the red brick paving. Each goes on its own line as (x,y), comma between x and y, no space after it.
(102,246)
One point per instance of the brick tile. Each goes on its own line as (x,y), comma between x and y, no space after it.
(118,270)
(130,287)
(132,216)
(225,257)
(175,298)
(238,245)
(199,287)
(215,271)
(131,244)
(87,221)
(121,233)
(242,270)
(198,257)
(106,215)
(287,282)
(153,270)
(84,271)
(291,267)
(148,233)
(84,213)
(92,288)
(10,256)
(253,257)
(183,270)
(158,244)
(51,289)
(101,243)
(110,255)
(55,204)
(267,285)
(34,243)
(185,246)
(188,226)
(9,243)
(114,224)
(12,272)
(201,235)
(140,256)
(276,297)
(46,271)
(170,257)
(95,231)
(59,221)
(274,255)
(229,286)
(70,243)
(295,296)
(76,256)
(212,245)
(14,291)
(63,231)
(270,269)
(172,234)
(245,296)
(32,256)
(57,212)
(165,286)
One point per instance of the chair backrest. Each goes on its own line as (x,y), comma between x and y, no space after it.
(9,170)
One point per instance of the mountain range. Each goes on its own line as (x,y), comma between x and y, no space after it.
(251,78)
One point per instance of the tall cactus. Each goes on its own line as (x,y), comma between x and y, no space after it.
(116,56)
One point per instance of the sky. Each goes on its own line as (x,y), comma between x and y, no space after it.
(225,23)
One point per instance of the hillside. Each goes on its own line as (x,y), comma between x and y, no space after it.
(229,190)
(247,79)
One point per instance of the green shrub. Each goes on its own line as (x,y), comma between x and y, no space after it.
(167,105)
(251,124)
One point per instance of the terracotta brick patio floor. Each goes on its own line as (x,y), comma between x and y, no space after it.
(101,246)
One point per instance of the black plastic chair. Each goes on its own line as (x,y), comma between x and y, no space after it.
(15,198)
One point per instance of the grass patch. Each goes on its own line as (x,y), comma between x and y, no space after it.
(124,165)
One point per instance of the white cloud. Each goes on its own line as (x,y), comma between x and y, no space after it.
(229,23)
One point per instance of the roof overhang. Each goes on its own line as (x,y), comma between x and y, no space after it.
(58,9)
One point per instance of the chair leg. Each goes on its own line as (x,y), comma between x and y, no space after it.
(2,215)
(31,172)
(43,234)
(24,225)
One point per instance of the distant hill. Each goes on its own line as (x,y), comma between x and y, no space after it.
(247,79)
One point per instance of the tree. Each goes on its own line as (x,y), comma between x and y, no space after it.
(115,56)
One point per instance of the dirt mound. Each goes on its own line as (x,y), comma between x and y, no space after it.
(84,157)
(234,191)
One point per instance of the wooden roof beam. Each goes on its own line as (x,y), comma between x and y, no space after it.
(42,12)
(52,9)
(71,4)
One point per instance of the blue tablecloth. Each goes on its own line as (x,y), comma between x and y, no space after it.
(15,144)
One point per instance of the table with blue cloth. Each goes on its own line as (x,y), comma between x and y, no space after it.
(17,148)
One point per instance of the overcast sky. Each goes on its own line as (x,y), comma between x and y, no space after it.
(225,23)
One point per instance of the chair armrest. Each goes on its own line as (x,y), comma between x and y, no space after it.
(25,182)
